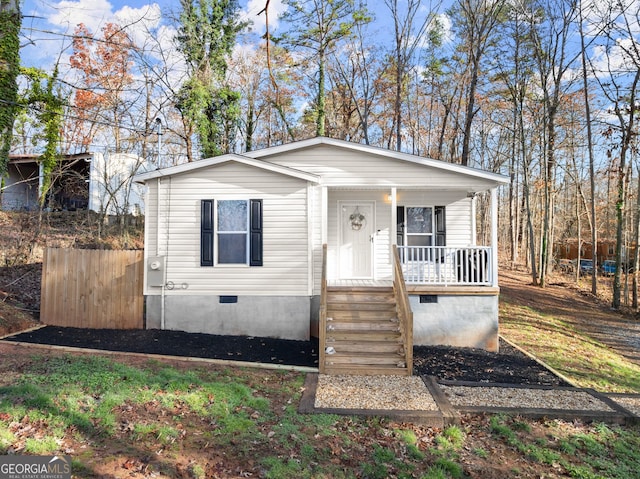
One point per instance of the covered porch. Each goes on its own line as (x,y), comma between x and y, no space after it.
(434,232)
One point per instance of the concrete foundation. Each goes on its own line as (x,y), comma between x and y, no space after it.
(284,317)
(457,320)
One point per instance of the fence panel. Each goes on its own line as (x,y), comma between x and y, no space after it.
(84,288)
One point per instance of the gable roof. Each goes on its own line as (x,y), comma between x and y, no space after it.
(260,159)
(218,160)
(381,152)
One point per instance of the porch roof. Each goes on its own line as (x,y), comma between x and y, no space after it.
(381,152)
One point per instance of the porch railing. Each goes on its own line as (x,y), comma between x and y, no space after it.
(405,315)
(443,265)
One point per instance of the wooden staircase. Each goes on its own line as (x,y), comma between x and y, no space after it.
(363,334)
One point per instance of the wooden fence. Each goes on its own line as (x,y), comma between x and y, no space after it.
(92,288)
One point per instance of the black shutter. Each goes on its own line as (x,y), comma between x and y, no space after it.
(400,225)
(441,226)
(206,233)
(255,233)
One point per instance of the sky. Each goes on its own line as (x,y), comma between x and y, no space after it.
(49,24)
(46,22)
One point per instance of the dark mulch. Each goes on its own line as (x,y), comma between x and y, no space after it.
(179,343)
(469,364)
(462,364)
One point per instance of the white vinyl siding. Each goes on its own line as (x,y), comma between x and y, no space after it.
(285,231)
(343,167)
(457,213)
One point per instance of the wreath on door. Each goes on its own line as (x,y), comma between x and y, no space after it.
(357,219)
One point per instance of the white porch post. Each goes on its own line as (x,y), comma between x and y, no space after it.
(325,213)
(494,236)
(394,217)
(474,223)
(394,226)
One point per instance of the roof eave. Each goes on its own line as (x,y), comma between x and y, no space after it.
(211,162)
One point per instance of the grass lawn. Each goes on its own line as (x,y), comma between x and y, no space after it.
(124,417)
(558,340)
(128,417)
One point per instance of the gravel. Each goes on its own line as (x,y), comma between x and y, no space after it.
(503,397)
(374,392)
(631,403)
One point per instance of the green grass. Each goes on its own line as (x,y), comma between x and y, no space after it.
(603,452)
(585,361)
(109,410)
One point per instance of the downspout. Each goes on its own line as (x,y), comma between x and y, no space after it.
(164,269)
(311,275)
(494,237)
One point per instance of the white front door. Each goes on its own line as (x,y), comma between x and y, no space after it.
(356,237)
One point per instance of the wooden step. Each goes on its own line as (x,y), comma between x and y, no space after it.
(360,298)
(360,289)
(365,370)
(364,336)
(342,315)
(363,359)
(364,332)
(362,326)
(347,306)
(372,347)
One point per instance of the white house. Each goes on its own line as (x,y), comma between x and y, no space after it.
(111,189)
(95,181)
(234,244)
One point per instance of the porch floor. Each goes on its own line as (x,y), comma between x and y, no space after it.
(352,283)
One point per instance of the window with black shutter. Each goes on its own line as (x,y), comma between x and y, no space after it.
(231,232)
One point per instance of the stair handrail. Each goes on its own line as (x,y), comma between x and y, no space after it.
(322,319)
(405,314)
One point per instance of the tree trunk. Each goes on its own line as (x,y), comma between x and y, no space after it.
(592,175)
(549,187)
(321,97)
(470,113)
(636,253)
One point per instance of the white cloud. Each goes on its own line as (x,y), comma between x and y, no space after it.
(250,13)
(93,13)
(139,22)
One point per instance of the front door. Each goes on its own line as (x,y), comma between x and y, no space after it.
(356,237)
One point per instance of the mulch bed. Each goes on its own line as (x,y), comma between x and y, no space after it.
(509,365)
(443,362)
(179,343)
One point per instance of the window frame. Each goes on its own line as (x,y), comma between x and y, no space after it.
(430,235)
(209,244)
(438,226)
(218,233)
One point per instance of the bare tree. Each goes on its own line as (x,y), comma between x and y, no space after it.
(551,29)
(618,74)
(409,29)
(476,21)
